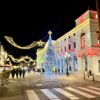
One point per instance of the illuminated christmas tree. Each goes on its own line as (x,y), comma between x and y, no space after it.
(50,56)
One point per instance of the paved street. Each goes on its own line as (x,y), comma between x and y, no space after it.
(37,86)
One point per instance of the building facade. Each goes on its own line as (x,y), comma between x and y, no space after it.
(3,55)
(78,50)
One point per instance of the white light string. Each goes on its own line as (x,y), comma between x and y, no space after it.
(33,44)
(21,59)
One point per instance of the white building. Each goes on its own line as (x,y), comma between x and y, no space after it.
(78,50)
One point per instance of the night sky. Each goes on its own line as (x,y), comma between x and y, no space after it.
(30,21)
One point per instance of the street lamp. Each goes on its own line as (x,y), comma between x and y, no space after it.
(67,56)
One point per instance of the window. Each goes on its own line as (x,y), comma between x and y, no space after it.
(69,37)
(65,39)
(99,65)
(65,48)
(82,40)
(69,46)
(98,36)
(74,45)
(74,34)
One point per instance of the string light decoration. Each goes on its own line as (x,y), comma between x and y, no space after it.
(22,59)
(40,43)
(33,44)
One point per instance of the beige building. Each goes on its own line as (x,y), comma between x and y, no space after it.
(3,55)
(78,50)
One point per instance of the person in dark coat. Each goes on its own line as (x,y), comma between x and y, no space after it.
(58,70)
(13,73)
(17,70)
(23,72)
(43,70)
(20,72)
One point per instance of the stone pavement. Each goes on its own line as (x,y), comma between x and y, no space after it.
(15,88)
(85,76)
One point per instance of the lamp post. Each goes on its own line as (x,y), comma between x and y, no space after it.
(67,63)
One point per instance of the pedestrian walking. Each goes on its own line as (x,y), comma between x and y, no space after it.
(23,72)
(43,70)
(58,71)
(16,72)
(13,73)
(20,72)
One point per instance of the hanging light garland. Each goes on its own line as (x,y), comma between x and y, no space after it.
(22,59)
(33,44)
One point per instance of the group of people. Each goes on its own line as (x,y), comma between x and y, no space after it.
(18,72)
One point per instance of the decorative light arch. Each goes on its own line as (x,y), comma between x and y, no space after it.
(33,44)
(21,59)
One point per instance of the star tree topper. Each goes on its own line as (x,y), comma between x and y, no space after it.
(50,32)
